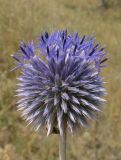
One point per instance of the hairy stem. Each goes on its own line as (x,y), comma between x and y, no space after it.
(62,145)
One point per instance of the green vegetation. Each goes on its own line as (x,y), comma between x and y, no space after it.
(108,3)
(24,20)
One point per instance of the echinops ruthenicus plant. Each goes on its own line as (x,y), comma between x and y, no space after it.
(60,85)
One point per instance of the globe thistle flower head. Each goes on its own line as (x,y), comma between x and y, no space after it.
(61,83)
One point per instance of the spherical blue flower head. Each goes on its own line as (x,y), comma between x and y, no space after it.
(66,86)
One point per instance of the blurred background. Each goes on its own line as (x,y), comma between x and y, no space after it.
(24,20)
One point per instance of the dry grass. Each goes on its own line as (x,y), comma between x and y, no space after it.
(25,19)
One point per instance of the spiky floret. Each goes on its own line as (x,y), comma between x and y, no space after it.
(65,86)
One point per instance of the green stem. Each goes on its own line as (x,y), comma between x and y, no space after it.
(62,145)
